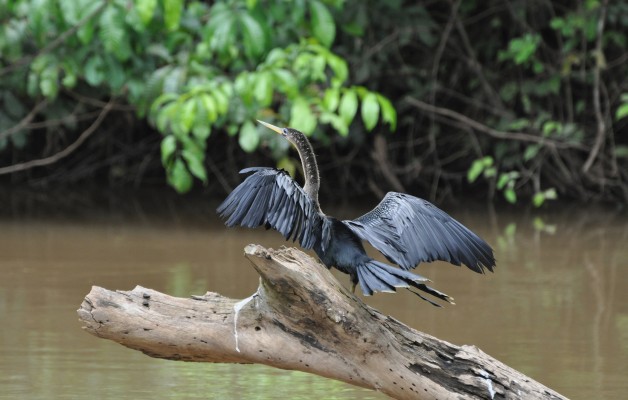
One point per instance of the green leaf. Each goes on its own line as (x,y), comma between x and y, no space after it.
(160,101)
(323,26)
(551,194)
(518,124)
(221,30)
(301,116)
(254,39)
(522,49)
(162,117)
(179,177)
(94,70)
(621,151)
(264,89)
(370,111)
(113,33)
(249,138)
(19,139)
(335,121)
(187,115)
(222,102)
(389,114)
(86,32)
(477,167)
(210,107)
(622,112)
(474,171)
(502,181)
(538,199)
(172,13)
(550,127)
(195,164)
(287,82)
(340,69)
(201,130)
(168,147)
(173,80)
(49,81)
(510,195)
(531,151)
(331,98)
(348,106)
(146,10)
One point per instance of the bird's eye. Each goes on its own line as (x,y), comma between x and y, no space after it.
(284,132)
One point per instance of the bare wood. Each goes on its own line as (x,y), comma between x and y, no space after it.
(63,153)
(519,136)
(302,319)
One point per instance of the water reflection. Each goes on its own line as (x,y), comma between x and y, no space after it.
(556,308)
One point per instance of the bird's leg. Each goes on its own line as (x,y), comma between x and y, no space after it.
(353,276)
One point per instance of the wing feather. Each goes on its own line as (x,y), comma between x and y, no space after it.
(409,230)
(271,197)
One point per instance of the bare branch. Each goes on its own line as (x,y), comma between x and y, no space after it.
(597,108)
(519,136)
(25,121)
(63,153)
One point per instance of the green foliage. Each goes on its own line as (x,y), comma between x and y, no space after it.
(540,197)
(520,50)
(622,110)
(193,68)
(481,166)
(524,73)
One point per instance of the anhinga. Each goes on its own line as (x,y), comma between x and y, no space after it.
(405,229)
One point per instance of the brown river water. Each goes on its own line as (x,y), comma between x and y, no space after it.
(556,308)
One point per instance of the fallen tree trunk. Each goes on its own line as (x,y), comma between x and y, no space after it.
(302,319)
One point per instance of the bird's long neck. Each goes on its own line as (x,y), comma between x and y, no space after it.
(310,168)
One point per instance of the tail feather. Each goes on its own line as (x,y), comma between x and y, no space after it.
(370,282)
(375,276)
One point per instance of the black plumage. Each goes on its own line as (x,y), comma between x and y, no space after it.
(405,229)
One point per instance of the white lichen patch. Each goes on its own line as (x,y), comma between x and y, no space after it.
(488,381)
(236,309)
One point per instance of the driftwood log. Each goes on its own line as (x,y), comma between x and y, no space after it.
(302,318)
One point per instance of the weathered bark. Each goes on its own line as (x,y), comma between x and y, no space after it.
(302,319)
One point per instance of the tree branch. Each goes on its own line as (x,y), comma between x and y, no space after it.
(302,319)
(519,136)
(597,108)
(63,153)
(24,122)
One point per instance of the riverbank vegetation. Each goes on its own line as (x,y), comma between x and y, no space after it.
(523,102)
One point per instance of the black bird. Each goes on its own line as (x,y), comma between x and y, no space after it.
(405,229)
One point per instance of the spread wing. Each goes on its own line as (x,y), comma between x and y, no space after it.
(409,230)
(271,197)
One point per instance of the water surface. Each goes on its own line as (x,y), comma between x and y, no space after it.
(556,308)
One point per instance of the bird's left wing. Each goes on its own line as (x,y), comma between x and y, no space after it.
(409,230)
(271,197)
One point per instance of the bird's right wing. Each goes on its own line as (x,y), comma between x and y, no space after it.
(271,197)
(409,230)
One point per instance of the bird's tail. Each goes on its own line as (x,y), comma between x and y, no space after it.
(375,276)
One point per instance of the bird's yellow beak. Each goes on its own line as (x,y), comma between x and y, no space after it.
(269,126)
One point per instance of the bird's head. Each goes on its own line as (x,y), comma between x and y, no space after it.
(293,136)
